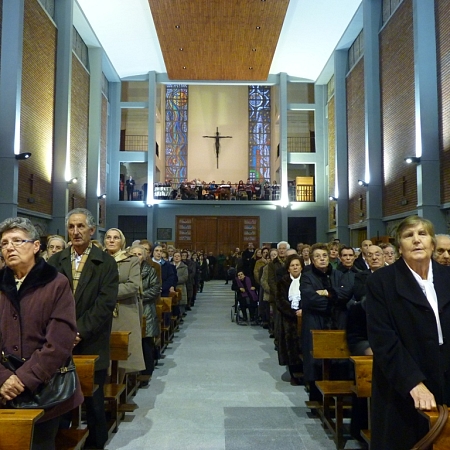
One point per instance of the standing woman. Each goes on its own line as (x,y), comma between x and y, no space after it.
(288,302)
(151,288)
(183,276)
(37,311)
(408,318)
(203,271)
(128,312)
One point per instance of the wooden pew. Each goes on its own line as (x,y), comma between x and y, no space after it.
(16,427)
(439,435)
(159,314)
(166,332)
(114,390)
(330,345)
(363,385)
(75,437)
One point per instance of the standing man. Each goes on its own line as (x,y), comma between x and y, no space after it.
(94,279)
(361,261)
(247,255)
(130,187)
(442,251)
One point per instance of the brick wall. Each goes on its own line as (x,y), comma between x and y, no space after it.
(79,123)
(38,92)
(442,9)
(331,160)
(356,143)
(398,111)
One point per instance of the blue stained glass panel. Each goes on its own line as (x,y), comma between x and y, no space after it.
(259,119)
(176,132)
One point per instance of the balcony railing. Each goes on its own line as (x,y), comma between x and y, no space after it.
(301,144)
(172,191)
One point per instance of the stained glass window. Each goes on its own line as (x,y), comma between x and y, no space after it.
(176,132)
(259,133)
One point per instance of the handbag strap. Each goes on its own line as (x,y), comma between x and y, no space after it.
(435,430)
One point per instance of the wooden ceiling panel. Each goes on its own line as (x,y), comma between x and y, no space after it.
(218,39)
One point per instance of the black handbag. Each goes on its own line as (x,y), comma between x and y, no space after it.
(59,388)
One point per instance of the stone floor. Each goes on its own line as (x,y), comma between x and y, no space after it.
(220,387)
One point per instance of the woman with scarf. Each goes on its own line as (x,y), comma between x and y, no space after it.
(288,302)
(128,312)
(37,323)
(151,288)
(324,304)
(246,295)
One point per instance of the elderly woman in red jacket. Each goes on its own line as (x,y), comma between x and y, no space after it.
(37,323)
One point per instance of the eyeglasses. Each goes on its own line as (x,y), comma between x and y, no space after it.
(15,243)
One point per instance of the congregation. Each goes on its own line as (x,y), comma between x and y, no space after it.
(287,291)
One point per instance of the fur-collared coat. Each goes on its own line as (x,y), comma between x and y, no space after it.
(403,336)
(38,323)
(288,339)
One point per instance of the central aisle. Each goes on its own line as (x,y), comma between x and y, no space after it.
(219,387)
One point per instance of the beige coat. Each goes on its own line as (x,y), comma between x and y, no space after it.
(130,310)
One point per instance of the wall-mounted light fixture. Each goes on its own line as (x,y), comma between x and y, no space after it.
(332,199)
(363,183)
(73,181)
(412,159)
(101,196)
(21,156)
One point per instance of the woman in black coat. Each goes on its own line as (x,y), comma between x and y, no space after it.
(288,302)
(324,300)
(408,317)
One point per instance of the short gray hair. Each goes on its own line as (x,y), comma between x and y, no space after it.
(57,237)
(284,242)
(20,223)
(90,221)
(140,247)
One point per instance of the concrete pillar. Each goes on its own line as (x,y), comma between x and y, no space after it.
(373,133)
(10,94)
(427,115)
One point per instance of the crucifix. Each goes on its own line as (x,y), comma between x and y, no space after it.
(217,137)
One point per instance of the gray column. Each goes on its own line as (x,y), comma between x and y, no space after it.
(63,85)
(373,144)
(10,94)
(341,143)
(283,154)
(95,131)
(113,153)
(321,178)
(427,114)
(151,147)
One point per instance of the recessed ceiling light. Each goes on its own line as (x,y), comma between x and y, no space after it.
(253,49)
(177,26)
(250,68)
(184,67)
(258,28)
(181,49)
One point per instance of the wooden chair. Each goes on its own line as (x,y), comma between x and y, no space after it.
(114,390)
(330,345)
(75,437)
(16,427)
(363,385)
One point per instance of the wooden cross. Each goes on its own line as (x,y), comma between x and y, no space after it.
(217,137)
